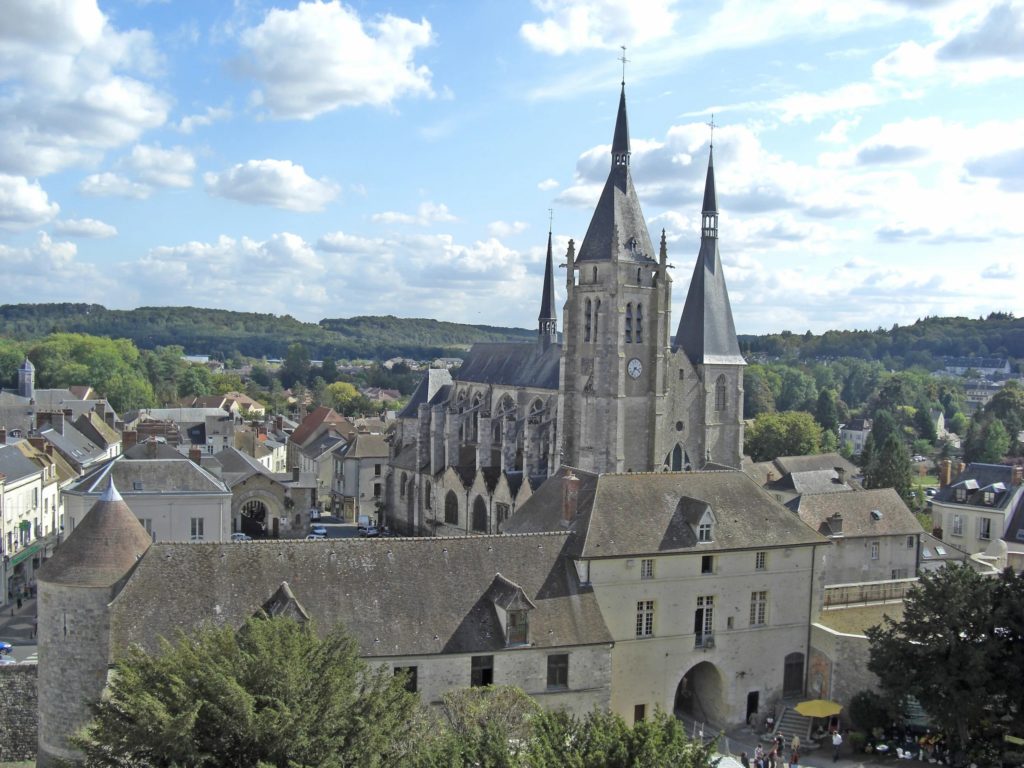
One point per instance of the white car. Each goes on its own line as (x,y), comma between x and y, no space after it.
(241,537)
(315,537)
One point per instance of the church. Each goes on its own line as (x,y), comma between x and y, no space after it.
(618,393)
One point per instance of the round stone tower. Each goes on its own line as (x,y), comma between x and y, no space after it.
(76,587)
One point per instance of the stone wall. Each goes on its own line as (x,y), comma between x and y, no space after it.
(18,724)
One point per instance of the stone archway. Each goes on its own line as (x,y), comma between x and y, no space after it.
(700,694)
(254,510)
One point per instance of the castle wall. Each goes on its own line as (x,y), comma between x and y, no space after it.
(18,732)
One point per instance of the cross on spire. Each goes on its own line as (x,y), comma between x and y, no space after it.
(711,124)
(624,61)
(551,218)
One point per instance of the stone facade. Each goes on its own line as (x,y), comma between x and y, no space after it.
(18,731)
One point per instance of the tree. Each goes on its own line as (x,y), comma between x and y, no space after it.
(1007,405)
(883,424)
(923,423)
(195,382)
(987,440)
(826,413)
(271,694)
(295,368)
(340,396)
(488,725)
(891,468)
(957,650)
(791,433)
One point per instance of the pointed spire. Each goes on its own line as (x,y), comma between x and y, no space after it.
(547,320)
(620,142)
(111,493)
(710,198)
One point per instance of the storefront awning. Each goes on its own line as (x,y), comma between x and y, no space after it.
(26,553)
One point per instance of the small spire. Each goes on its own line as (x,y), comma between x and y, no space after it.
(620,142)
(710,198)
(111,493)
(547,322)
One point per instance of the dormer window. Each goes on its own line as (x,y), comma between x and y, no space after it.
(961,494)
(517,628)
(704,531)
(989,498)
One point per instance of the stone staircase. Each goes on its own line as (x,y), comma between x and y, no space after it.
(792,723)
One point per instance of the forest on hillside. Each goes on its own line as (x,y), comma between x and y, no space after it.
(223,334)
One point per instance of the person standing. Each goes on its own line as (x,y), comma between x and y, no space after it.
(744,760)
(837,742)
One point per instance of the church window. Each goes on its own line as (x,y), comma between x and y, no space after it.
(638,278)
(645,618)
(682,375)
(479,515)
(401,486)
(677,458)
(595,274)
(720,393)
(629,323)
(758,608)
(586,321)
(597,316)
(558,670)
(481,671)
(451,508)
(639,323)
(426,496)
(376,490)
(518,628)
(500,513)
(376,470)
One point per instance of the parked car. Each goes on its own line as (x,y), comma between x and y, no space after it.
(319,530)
(315,537)
(241,537)
(929,492)
(370,531)
(5,648)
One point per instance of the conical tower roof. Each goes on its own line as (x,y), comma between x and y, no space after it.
(547,299)
(101,550)
(707,333)
(618,231)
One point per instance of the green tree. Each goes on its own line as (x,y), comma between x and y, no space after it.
(923,423)
(340,396)
(957,424)
(891,468)
(195,382)
(1007,405)
(271,694)
(987,441)
(883,424)
(295,368)
(486,726)
(826,413)
(957,650)
(790,433)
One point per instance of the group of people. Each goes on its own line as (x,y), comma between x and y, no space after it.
(774,756)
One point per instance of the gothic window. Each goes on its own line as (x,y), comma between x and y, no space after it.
(638,280)
(586,321)
(629,323)
(720,393)
(595,274)
(639,323)
(597,317)
(677,458)
(401,486)
(426,496)
(479,515)
(451,508)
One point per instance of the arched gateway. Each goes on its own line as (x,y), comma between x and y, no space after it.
(701,694)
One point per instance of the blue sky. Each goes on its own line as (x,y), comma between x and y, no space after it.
(328,159)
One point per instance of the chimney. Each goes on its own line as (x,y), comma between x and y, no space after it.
(1018,474)
(195,453)
(129,438)
(38,443)
(835,524)
(770,477)
(570,497)
(945,473)
(49,449)
(279,423)
(840,475)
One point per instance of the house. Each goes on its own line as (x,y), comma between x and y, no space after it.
(975,507)
(855,433)
(29,519)
(174,498)
(984,366)
(875,537)
(358,475)
(790,477)
(704,581)
(321,420)
(508,610)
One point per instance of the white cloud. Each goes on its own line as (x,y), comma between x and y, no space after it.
(162,167)
(189,123)
(576,25)
(85,228)
(322,56)
(71,85)
(45,256)
(547,184)
(427,213)
(23,203)
(112,185)
(506,228)
(278,183)
(839,132)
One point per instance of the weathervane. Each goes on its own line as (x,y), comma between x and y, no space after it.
(711,125)
(624,60)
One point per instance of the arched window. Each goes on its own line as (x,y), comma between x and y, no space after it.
(451,508)
(639,323)
(479,515)
(720,401)
(597,318)
(677,458)
(595,274)
(427,496)
(638,276)
(401,486)
(586,321)
(629,323)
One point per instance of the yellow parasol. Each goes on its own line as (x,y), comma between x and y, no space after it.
(819,708)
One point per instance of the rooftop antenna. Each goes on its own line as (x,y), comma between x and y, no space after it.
(711,125)
(624,60)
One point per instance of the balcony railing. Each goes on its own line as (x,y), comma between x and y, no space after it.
(888,591)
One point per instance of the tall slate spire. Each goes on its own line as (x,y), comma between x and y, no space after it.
(707,333)
(618,231)
(547,321)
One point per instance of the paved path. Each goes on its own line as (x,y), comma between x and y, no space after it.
(17,627)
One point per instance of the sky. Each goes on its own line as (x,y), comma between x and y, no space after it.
(328,159)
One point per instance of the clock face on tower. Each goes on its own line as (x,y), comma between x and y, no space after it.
(634,368)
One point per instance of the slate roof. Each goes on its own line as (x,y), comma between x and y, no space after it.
(149,476)
(367,446)
(818,461)
(856,508)
(935,550)
(976,479)
(17,416)
(360,583)
(151,449)
(707,332)
(237,465)
(512,364)
(181,416)
(101,549)
(548,310)
(96,429)
(75,446)
(814,481)
(638,513)
(618,230)
(419,396)
(322,444)
(14,465)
